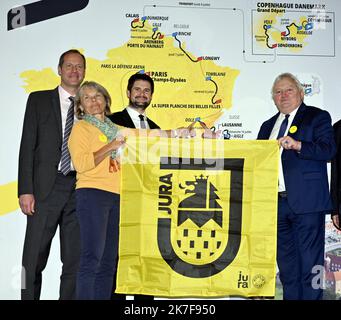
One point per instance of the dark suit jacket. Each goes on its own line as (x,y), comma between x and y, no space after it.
(41,142)
(122,118)
(335,185)
(305,173)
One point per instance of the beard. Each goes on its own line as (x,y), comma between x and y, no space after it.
(141,105)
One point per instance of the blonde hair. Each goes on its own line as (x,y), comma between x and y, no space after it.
(99,88)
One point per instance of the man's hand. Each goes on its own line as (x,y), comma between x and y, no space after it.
(209,134)
(289,143)
(27,202)
(185,132)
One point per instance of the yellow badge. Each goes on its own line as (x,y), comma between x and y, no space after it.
(293,129)
(103,138)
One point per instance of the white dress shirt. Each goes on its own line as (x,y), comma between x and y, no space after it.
(134,115)
(273,136)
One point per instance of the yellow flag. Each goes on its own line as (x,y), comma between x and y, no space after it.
(198,218)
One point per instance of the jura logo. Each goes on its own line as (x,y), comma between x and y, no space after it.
(202,204)
(41,10)
(197,235)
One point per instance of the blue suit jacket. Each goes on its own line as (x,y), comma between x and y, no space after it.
(305,173)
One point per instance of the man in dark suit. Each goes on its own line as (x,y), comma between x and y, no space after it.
(45,188)
(306,139)
(140,91)
(335,184)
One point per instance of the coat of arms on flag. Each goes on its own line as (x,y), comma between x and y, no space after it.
(198,218)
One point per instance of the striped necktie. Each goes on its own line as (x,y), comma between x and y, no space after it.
(65,166)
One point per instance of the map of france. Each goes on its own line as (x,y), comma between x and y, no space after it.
(186,86)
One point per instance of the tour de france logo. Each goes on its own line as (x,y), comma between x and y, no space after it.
(258,281)
(199,237)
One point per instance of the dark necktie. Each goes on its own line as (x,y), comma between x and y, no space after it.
(142,123)
(65,166)
(283,127)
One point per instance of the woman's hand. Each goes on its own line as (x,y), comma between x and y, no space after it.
(117,143)
(106,150)
(115,165)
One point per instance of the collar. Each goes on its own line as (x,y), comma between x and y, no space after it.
(134,114)
(63,94)
(291,114)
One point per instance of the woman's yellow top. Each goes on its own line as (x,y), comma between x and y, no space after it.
(85,139)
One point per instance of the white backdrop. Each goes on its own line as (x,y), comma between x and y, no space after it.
(216,30)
